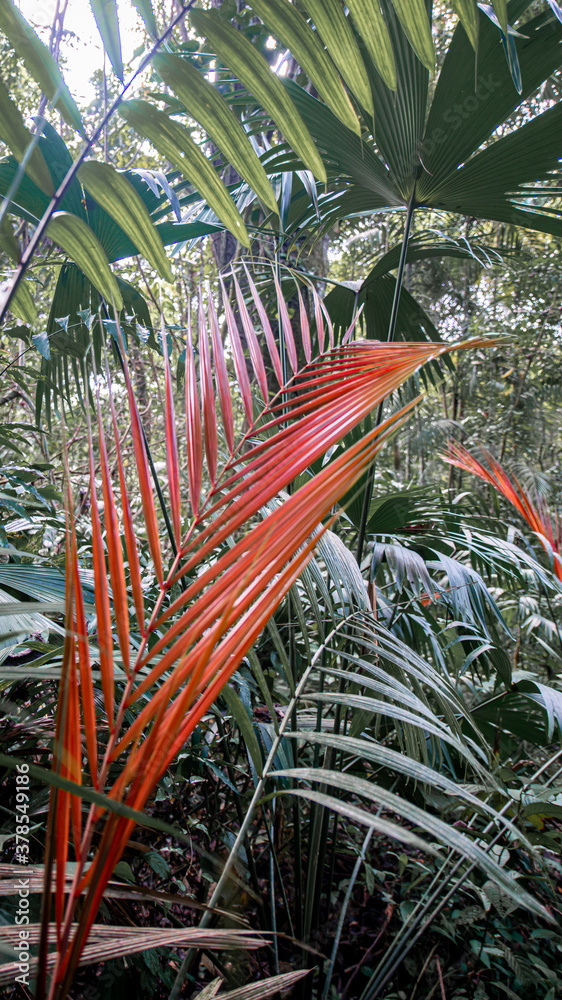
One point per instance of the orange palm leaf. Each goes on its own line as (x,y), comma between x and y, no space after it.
(538,517)
(231,591)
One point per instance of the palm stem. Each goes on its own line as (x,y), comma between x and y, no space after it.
(390,338)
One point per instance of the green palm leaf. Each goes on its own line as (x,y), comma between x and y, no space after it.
(414,19)
(253,71)
(117,196)
(82,246)
(107,20)
(204,103)
(468,15)
(173,141)
(336,32)
(284,20)
(38,62)
(462,115)
(486,186)
(19,139)
(372,28)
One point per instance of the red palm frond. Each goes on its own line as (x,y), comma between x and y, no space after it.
(191,645)
(538,516)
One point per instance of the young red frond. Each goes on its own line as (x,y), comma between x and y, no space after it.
(101,597)
(172,461)
(128,526)
(494,474)
(319,317)
(84,663)
(207,394)
(238,356)
(305,327)
(193,418)
(273,555)
(285,327)
(67,738)
(222,377)
(252,340)
(266,326)
(114,552)
(241,565)
(143,473)
(539,518)
(351,328)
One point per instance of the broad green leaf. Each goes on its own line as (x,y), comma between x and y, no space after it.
(500,10)
(250,67)
(144,8)
(173,140)
(22,304)
(352,156)
(105,14)
(414,20)
(486,186)
(118,197)
(283,20)
(208,107)
(76,238)
(466,110)
(38,62)
(400,117)
(371,25)
(468,16)
(8,242)
(336,32)
(14,133)
(245,724)
(548,697)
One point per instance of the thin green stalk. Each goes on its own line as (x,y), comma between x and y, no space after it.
(343,914)
(272,890)
(240,814)
(298,844)
(276,870)
(318,840)
(258,792)
(390,339)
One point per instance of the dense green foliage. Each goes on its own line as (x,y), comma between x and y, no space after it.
(374,796)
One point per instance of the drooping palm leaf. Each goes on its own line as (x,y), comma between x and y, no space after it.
(108,942)
(381,685)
